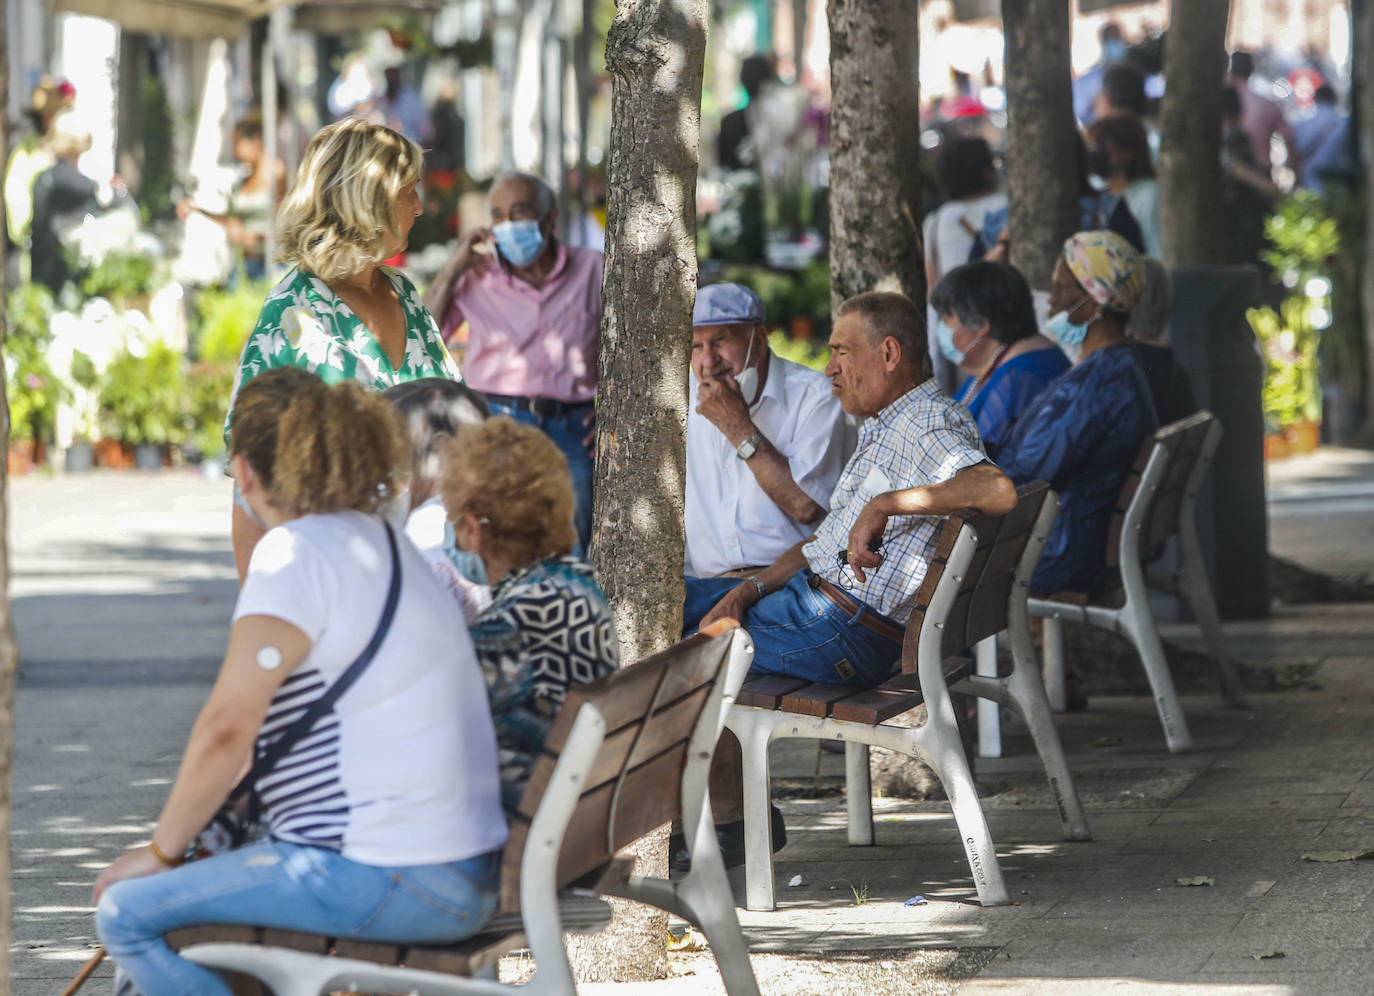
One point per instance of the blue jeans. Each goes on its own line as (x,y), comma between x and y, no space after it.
(799,632)
(567,432)
(293,887)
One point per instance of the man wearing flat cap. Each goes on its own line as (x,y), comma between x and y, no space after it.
(766,440)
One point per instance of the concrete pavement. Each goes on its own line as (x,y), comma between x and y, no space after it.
(122,589)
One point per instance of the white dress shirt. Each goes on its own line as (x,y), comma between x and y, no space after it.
(731,522)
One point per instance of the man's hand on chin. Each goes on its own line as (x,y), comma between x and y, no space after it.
(719,400)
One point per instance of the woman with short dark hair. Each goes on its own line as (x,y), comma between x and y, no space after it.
(1119,153)
(987,329)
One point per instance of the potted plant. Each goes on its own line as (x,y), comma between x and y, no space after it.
(143,399)
(1292,389)
(33,390)
(80,453)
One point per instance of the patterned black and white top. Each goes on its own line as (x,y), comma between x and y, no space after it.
(547,629)
(303,791)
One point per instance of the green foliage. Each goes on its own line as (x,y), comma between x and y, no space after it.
(1305,244)
(120,276)
(798,351)
(225,319)
(155,188)
(144,397)
(1304,236)
(1292,390)
(33,390)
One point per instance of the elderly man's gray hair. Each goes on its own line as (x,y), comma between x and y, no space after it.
(543,193)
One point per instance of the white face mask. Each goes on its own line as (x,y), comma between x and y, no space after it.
(748,378)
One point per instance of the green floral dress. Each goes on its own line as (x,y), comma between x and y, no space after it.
(305,324)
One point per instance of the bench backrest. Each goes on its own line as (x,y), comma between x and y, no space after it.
(1163,483)
(614,761)
(983,600)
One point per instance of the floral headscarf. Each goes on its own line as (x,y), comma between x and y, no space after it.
(1108,267)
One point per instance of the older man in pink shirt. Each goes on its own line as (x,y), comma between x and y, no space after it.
(533,308)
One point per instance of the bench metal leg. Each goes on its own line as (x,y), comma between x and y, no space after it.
(1052,637)
(1192,580)
(754,730)
(858,794)
(1138,625)
(1027,691)
(938,744)
(989,716)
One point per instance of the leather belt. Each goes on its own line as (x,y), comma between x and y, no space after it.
(544,407)
(867,618)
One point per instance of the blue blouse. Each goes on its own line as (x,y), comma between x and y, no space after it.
(1082,435)
(1009,392)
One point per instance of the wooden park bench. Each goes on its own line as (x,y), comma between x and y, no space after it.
(975,587)
(1157,502)
(627,754)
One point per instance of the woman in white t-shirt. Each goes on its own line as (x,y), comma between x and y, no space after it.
(385,819)
(968,177)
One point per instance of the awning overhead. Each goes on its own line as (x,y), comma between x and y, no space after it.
(182,18)
(227,18)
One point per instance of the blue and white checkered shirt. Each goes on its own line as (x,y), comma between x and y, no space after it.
(921,438)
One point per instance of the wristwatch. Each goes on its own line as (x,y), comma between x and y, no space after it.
(758,585)
(750,446)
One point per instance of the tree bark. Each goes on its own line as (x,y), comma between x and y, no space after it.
(655,53)
(1042,149)
(1190,176)
(875,189)
(9,651)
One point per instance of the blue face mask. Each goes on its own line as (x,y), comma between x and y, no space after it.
(1113,51)
(1067,334)
(944,338)
(518,242)
(466,562)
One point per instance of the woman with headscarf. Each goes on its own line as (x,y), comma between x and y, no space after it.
(1083,432)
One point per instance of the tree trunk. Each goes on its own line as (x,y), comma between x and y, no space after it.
(1190,177)
(1364,128)
(1042,148)
(9,651)
(654,53)
(875,188)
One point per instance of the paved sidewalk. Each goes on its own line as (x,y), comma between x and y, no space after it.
(122,590)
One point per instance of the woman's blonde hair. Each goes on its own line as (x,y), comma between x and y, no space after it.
(68,137)
(338,216)
(319,448)
(514,479)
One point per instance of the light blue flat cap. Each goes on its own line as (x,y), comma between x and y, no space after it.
(727,304)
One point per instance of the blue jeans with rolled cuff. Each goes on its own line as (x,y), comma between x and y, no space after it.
(293,887)
(801,633)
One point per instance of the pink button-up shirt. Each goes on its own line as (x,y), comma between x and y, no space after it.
(531,342)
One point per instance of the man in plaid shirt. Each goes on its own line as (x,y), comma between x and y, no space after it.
(816,613)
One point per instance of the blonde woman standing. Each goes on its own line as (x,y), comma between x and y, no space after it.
(339,313)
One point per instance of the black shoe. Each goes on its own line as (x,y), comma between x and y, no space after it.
(730,838)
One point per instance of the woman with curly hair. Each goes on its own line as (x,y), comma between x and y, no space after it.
(339,313)
(384,820)
(508,493)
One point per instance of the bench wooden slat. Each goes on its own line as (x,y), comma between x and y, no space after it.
(295,940)
(766,692)
(672,722)
(205,934)
(624,697)
(816,698)
(648,799)
(372,951)
(876,705)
